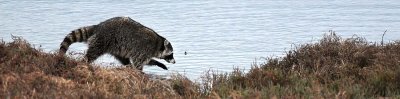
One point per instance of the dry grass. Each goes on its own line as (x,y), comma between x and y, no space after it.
(26,72)
(332,68)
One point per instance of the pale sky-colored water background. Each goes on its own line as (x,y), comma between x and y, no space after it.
(217,35)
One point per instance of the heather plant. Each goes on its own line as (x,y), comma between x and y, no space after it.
(333,67)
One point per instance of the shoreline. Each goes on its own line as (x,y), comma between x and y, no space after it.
(331,67)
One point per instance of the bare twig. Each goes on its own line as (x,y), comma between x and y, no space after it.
(383,36)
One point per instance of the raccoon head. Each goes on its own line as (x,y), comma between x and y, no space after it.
(167,52)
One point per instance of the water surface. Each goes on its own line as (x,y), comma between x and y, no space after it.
(216,34)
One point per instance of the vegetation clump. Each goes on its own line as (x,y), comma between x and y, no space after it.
(27,72)
(331,68)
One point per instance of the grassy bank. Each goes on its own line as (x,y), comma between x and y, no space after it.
(331,68)
(26,72)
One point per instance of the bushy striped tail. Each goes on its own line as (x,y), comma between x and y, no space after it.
(79,35)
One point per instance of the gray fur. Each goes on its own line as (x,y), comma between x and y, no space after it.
(127,39)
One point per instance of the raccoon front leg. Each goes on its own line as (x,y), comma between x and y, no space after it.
(125,61)
(154,62)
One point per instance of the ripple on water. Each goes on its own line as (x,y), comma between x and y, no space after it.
(217,35)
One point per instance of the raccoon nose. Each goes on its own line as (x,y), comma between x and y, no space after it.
(172,61)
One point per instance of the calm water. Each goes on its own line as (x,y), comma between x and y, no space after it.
(217,35)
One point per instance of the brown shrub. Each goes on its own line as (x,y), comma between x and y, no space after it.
(332,67)
(26,72)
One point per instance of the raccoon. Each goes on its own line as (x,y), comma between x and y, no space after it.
(127,40)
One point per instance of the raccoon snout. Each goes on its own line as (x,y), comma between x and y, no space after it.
(171,61)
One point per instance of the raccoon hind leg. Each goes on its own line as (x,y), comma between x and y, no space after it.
(93,53)
(122,60)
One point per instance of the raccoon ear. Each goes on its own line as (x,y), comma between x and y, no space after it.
(166,42)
